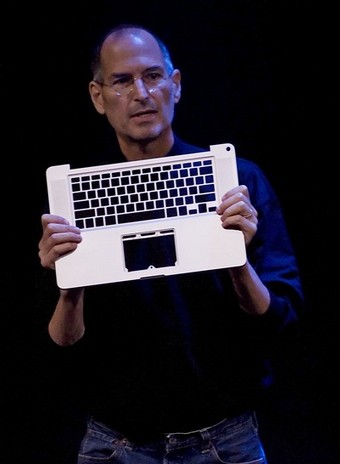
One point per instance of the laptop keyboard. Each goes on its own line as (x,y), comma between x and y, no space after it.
(168,190)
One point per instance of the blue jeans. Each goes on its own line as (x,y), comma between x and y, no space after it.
(233,440)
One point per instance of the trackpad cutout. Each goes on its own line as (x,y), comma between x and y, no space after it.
(148,250)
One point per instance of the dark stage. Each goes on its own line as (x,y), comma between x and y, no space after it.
(264,73)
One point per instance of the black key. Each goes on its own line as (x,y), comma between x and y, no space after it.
(140,216)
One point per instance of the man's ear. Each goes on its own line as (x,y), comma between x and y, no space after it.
(96,96)
(176,79)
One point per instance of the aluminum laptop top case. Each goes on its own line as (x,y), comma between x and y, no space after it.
(146,219)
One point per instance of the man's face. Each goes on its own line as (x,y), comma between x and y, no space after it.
(138,114)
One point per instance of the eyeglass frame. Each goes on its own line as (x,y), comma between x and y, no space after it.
(130,86)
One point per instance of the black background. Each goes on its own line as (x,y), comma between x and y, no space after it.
(259,74)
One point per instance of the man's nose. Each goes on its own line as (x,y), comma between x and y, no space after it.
(139,88)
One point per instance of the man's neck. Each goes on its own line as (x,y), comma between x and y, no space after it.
(146,149)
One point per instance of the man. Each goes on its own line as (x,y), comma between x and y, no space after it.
(178,364)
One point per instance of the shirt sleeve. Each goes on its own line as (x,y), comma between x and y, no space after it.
(271,252)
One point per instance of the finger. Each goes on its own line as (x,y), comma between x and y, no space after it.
(241,191)
(52,218)
(250,212)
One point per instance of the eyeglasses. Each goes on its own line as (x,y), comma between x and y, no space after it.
(152,79)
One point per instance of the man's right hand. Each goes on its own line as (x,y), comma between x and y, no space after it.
(59,238)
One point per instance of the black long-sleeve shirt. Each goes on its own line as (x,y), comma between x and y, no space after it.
(177,353)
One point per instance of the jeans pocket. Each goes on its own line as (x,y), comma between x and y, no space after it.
(99,447)
(239,445)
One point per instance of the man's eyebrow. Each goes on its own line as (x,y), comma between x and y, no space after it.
(123,74)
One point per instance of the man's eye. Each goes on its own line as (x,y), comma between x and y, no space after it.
(154,76)
(122,81)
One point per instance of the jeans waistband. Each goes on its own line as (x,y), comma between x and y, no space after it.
(197,437)
(174,440)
